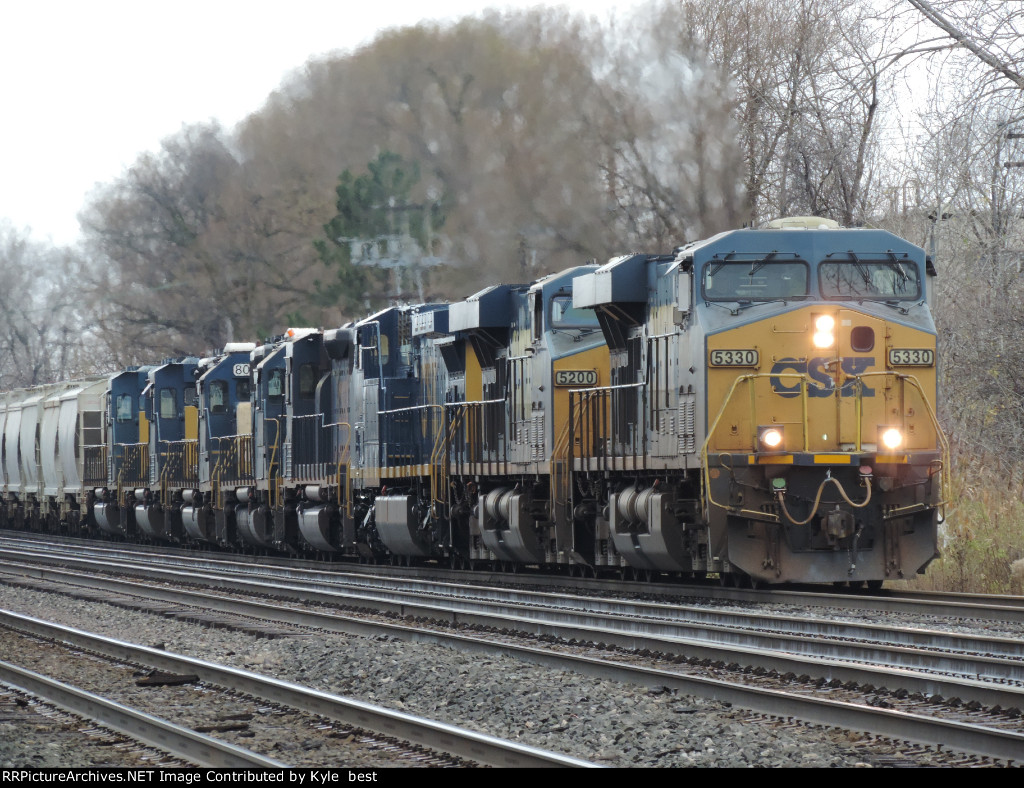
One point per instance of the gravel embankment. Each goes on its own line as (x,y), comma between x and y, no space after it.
(606,722)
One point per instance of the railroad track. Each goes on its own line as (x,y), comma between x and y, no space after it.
(179,741)
(225,700)
(999,610)
(69,736)
(775,687)
(976,668)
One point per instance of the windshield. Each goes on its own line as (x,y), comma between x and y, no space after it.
(755,280)
(881,279)
(565,315)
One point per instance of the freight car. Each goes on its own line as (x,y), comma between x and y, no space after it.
(759,406)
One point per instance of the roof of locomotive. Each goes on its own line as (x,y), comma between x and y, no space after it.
(562,278)
(812,244)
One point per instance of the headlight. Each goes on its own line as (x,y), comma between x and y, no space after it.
(769,438)
(824,325)
(890,437)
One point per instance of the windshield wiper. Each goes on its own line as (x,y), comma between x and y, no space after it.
(865,274)
(757,266)
(715,267)
(894,265)
(580,331)
(746,303)
(890,302)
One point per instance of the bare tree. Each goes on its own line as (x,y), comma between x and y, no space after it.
(671,149)
(493,111)
(183,256)
(808,83)
(967,174)
(43,337)
(991,31)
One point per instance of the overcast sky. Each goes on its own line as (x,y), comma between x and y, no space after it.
(87,86)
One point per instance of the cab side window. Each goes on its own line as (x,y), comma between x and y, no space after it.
(124,407)
(307,381)
(168,404)
(275,385)
(218,396)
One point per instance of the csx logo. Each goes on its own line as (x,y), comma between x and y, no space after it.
(819,370)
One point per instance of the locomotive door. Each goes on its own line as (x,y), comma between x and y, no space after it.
(661,396)
(861,341)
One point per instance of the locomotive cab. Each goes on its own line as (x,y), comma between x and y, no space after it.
(398,417)
(823,460)
(127,430)
(518,352)
(772,413)
(266,523)
(310,468)
(224,460)
(164,504)
(290,446)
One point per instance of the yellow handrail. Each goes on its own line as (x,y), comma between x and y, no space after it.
(274,483)
(344,459)
(804,379)
(561,455)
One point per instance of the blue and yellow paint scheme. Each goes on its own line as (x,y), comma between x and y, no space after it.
(760,405)
(782,387)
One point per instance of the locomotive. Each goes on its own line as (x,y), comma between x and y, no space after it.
(760,406)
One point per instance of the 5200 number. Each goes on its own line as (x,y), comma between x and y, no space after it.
(576,377)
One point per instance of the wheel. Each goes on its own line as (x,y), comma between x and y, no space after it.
(875,585)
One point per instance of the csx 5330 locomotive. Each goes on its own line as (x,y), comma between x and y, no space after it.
(759,405)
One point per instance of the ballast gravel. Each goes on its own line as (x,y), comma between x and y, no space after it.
(609,723)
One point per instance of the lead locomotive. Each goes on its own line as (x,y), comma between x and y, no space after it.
(759,405)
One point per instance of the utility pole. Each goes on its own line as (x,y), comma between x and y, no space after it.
(1014,135)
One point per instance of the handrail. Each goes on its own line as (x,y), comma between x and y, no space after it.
(344,459)
(137,453)
(599,404)
(273,481)
(804,379)
(476,446)
(437,463)
(563,455)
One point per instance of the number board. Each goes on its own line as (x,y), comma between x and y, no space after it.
(911,357)
(576,377)
(735,358)
(240,370)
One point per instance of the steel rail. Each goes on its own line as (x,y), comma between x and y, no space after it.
(643,616)
(434,735)
(174,739)
(981,607)
(986,693)
(901,726)
(1000,659)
